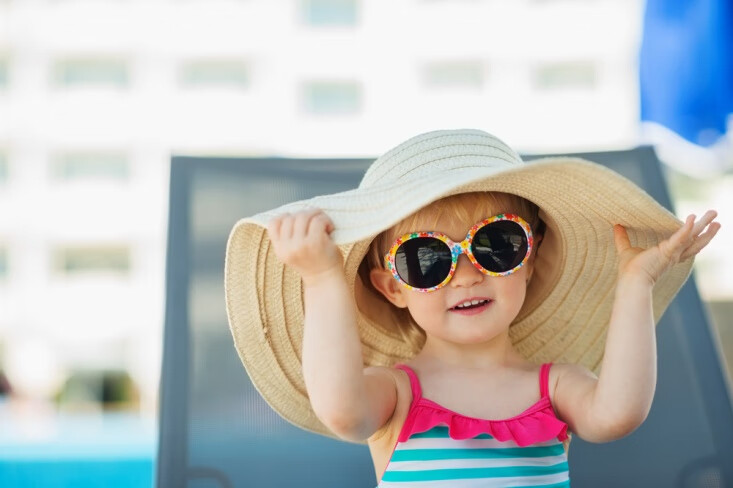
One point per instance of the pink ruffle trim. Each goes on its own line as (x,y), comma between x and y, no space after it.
(536,424)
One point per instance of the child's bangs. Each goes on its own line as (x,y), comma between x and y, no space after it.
(467,207)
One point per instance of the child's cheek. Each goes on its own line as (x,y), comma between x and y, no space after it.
(427,310)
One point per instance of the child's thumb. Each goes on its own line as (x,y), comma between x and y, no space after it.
(329,226)
(621,238)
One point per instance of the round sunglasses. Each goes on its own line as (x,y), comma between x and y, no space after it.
(426,261)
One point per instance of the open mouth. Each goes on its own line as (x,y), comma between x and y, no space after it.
(472,306)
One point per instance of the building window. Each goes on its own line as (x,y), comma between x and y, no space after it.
(3,167)
(3,73)
(214,73)
(3,262)
(73,166)
(330,12)
(71,260)
(454,74)
(568,75)
(110,73)
(332,98)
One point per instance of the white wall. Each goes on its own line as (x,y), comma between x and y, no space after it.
(51,323)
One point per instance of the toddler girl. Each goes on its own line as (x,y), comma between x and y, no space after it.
(427,308)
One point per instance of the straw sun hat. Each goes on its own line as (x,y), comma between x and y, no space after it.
(568,305)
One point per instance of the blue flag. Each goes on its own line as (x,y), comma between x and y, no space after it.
(686,67)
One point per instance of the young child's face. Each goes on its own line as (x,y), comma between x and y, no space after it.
(435,311)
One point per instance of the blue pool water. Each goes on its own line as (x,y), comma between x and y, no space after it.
(79,451)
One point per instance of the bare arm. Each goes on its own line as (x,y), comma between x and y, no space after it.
(351,401)
(619,400)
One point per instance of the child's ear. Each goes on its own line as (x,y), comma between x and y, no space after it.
(388,286)
(533,257)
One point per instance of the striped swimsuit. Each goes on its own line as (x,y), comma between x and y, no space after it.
(439,448)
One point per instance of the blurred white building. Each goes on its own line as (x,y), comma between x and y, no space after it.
(95,96)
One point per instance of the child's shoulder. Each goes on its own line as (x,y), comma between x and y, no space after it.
(387,371)
(568,372)
(568,383)
(403,390)
(397,376)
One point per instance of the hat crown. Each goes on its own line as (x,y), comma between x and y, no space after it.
(439,151)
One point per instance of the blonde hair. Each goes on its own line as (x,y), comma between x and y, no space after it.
(467,207)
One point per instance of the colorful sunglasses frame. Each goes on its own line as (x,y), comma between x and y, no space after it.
(458,248)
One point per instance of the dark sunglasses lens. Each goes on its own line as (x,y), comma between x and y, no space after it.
(423,262)
(500,246)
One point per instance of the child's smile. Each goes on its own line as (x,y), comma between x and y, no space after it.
(472,306)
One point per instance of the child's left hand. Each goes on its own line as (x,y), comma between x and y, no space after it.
(650,264)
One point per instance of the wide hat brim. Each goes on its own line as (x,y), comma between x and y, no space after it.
(568,305)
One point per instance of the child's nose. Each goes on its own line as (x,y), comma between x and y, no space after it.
(466,273)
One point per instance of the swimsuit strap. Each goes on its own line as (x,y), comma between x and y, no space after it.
(545,379)
(414,382)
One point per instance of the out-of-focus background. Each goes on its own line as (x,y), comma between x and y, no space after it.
(96,95)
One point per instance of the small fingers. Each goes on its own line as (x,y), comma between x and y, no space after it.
(701,241)
(286,226)
(688,240)
(704,221)
(274,226)
(673,247)
(302,221)
(321,223)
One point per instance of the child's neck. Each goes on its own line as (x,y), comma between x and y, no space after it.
(496,353)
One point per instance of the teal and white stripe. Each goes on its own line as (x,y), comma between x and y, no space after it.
(434,460)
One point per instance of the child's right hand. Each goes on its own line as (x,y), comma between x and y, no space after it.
(302,241)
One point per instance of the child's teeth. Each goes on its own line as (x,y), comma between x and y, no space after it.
(473,302)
